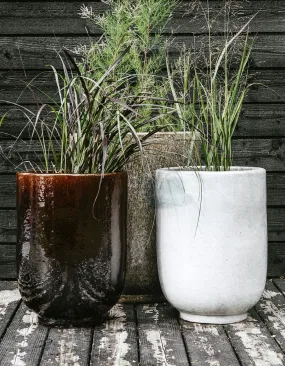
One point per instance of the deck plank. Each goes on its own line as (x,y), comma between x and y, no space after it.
(253,343)
(67,347)
(9,301)
(280,284)
(23,342)
(115,342)
(161,342)
(271,309)
(208,345)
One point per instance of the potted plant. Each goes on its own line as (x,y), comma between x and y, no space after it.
(142,26)
(211,219)
(72,200)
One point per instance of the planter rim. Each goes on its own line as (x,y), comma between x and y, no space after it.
(234,170)
(70,174)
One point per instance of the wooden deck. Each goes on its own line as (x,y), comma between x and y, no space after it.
(144,334)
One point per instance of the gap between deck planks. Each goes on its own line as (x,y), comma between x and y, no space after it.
(144,334)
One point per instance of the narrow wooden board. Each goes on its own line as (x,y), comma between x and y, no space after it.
(8,271)
(60,17)
(67,347)
(261,120)
(7,253)
(9,301)
(271,309)
(37,52)
(275,189)
(161,342)
(115,342)
(8,226)
(208,345)
(280,283)
(254,344)
(276,259)
(276,228)
(23,342)
(255,120)
(266,153)
(269,86)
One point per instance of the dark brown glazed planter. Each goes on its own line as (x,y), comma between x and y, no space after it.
(71,256)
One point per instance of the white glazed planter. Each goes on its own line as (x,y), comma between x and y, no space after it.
(212,241)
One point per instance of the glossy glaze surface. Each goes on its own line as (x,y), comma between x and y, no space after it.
(71,246)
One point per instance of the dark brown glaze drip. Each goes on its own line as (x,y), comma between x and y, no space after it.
(71,255)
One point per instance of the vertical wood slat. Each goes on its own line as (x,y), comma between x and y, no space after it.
(67,347)
(115,342)
(9,301)
(280,284)
(271,309)
(208,345)
(253,343)
(23,342)
(161,342)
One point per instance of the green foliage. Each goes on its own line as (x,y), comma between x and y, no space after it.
(113,93)
(209,94)
(138,25)
(93,128)
(220,96)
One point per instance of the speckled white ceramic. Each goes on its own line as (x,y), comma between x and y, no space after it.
(212,241)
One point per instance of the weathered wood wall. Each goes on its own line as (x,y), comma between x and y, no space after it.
(30,32)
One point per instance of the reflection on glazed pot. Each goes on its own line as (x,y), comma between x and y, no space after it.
(71,246)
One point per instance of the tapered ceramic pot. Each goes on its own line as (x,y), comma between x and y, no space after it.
(71,245)
(212,241)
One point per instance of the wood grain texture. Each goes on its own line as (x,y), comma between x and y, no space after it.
(258,120)
(22,343)
(30,53)
(253,343)
(280,284)
(8,268)
(261,120)
(276,259)
(258,341)
(67,347)
(8,271)
(9,301)
(276,228)
(115,342)
(159,336)
(208,345)
(7,253)
(267,153)
(269,86)
(271,309)
(61,17)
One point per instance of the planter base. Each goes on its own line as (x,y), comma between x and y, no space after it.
(213,319)
(67,323)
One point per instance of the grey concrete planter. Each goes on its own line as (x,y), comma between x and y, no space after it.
(166,149)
